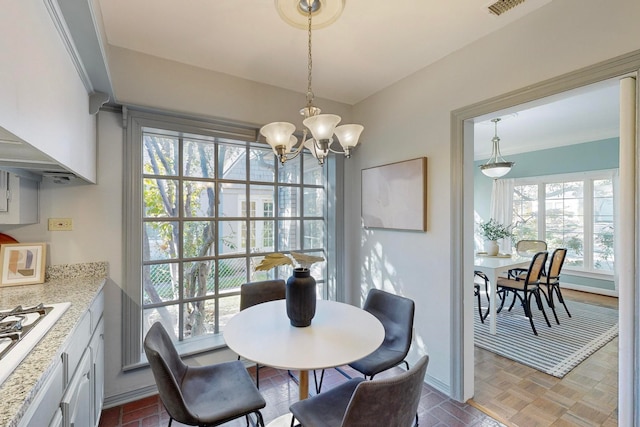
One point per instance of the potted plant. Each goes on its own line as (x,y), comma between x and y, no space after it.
(301,287)
(492,231)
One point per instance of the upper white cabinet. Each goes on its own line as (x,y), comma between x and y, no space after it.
(18,199)
(44,101)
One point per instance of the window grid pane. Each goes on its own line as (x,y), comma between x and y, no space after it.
(578,214)
(212,209)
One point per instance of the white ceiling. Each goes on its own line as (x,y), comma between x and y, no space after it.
(369,47)
(586,114)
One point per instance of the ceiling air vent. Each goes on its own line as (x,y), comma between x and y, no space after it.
(502,6)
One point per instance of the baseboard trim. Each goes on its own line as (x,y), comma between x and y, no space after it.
(438,385)
(130,396)
(589,289)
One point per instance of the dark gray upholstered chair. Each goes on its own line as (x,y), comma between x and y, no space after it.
(550,282)
(526,289)
(389,402)
(200,395)
(254,293)
(396,315)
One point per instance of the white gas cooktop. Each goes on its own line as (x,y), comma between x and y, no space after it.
(21,328)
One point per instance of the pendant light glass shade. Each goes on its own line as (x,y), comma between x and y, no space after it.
(319,154)
(348,135)
(322,125)
(279,136)
(496,170)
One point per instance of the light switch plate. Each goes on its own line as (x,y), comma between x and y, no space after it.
(60,224)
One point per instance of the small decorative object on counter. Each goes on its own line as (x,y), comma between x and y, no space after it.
(301,286)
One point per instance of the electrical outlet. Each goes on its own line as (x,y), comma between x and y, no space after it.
(60,224)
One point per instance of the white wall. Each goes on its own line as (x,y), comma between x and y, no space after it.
(412,119)
(42,98)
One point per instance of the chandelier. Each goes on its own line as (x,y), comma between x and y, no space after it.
(323,129)
(496,166)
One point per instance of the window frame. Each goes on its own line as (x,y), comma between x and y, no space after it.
(587,177)
(135,120)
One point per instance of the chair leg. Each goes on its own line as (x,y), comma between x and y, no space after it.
(527,312)
(315,380)
(559,294)
(260,419)
(513,301)
(479,305)
(257,376)
(550,303)
(406,364)
(170,421)
(536,293)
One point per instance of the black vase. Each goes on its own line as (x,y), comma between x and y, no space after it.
(301,297)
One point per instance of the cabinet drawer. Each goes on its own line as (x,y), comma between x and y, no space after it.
(96,310)
(76,347)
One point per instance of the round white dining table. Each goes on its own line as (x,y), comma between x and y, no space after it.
(339,334)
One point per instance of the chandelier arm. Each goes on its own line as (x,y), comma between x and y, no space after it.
(336,151)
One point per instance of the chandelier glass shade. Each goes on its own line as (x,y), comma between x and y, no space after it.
(496,166)
(323,129)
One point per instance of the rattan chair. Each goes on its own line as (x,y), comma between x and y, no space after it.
(550,283)
(202,396)
(526,248)
(526,289)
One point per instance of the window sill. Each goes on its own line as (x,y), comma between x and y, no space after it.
(192,347)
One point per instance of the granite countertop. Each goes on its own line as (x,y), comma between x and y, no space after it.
(75,283)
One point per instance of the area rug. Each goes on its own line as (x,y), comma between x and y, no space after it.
(556,350)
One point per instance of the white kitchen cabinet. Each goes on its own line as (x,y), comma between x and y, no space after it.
(76,404)
(18,199)
(47,401)
(73,393)
(97,352)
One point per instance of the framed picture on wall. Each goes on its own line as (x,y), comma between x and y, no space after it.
(22,263)
(394,196)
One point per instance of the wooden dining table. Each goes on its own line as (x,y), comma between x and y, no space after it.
(493,267)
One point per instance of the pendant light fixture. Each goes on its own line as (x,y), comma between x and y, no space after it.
(322,128)
(496,166)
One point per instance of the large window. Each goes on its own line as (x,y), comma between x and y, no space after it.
(576,212)
(211,207)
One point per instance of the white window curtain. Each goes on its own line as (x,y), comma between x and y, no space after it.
(502,207)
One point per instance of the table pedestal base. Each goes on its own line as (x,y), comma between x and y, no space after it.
(281,421)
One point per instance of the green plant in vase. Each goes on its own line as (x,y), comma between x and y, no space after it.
(492,231)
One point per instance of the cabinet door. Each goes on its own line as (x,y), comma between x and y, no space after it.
(56,421)
(47,400)
(97,352)
(76,403)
